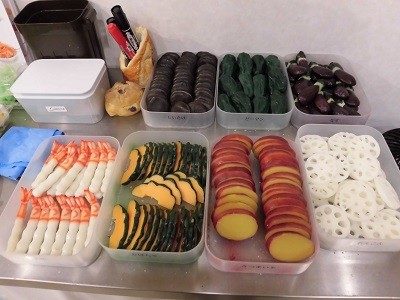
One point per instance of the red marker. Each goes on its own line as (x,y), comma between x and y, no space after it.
(121,40)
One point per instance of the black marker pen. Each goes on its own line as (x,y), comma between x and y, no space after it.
(123,24)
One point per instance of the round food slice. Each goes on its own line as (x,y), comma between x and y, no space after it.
(324,190)
(358,200)
(311,144)
(333,220)
(363,166)
(342,142)
(321,168)
(387,193)
(382,226)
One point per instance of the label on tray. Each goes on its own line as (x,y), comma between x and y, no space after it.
(52,109)
(170,117)
(257,119)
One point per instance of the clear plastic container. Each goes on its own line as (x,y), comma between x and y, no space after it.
(299,118)
(88,254)
(176,119)
(250,256)
(70,90)
(256,121)
(117,193)
(388,165)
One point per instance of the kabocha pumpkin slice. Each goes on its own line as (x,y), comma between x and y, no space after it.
(121,224)
(150,166)
(161,225)
(154,229)
(147,228)
(146,160)
(198,189)
(187,191)
(133,167)
(178,156)
(139,229)
(160,192)
(170,184)
(134,214)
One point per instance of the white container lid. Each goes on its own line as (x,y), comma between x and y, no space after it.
(59,77)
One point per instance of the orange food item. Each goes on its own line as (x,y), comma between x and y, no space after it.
(6,51)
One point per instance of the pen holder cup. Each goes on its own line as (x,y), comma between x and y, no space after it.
(60,29)
(140,67)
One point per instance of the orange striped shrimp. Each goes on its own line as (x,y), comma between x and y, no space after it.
(112,153)
(94,212)
(27,234)
(72,173)
(57,153)
(59,171)
(52,225)
(73,227)
(38,236)
(63,226)
(90,169)
(83,225)
(98,176)
(19,220)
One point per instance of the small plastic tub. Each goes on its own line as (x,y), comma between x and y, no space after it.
(69,90)
(257,121)
(88,254)
(177,119)
(250,256)
(388,165)
(118,194)
(299,118)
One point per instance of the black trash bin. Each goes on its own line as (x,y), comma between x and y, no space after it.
(60,29)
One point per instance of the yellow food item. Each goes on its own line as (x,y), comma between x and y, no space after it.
(140,67)
(123,99)
(291,247)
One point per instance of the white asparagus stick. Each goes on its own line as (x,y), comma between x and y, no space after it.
(59,171)
(73,227)
(38,236)
(63,226)
(52,191)
(90,169)
(111,154)
(57,153)
(18,227)
(74,186)
(72,173)
(107,176)
(94,212)
(83,226)
(52,225)
(27,234)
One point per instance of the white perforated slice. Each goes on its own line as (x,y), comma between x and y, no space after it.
(381,226)
(321,168)
(392,212)
(311,144)
(342,142)
(363,166)
(356,230)
(387,193)
(369,144)
(379,202)
(333,220)
(324,191)
(357,199)
(322,201)
(342,165)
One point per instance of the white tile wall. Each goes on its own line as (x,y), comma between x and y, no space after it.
(367,32)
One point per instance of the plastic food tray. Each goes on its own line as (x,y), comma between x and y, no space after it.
(177,119)
(388,165)
(250,256)
(299,118)
(117,193)
(255,121)
(88,254)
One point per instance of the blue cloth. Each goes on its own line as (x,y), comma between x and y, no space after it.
(17,147)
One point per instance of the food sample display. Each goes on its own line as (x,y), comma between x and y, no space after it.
(183,83)
(349,189)
(252,84)
(59,197)
(322,89)
(167,210)
(243,172)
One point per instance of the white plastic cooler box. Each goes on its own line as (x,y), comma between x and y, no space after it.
(63,90)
